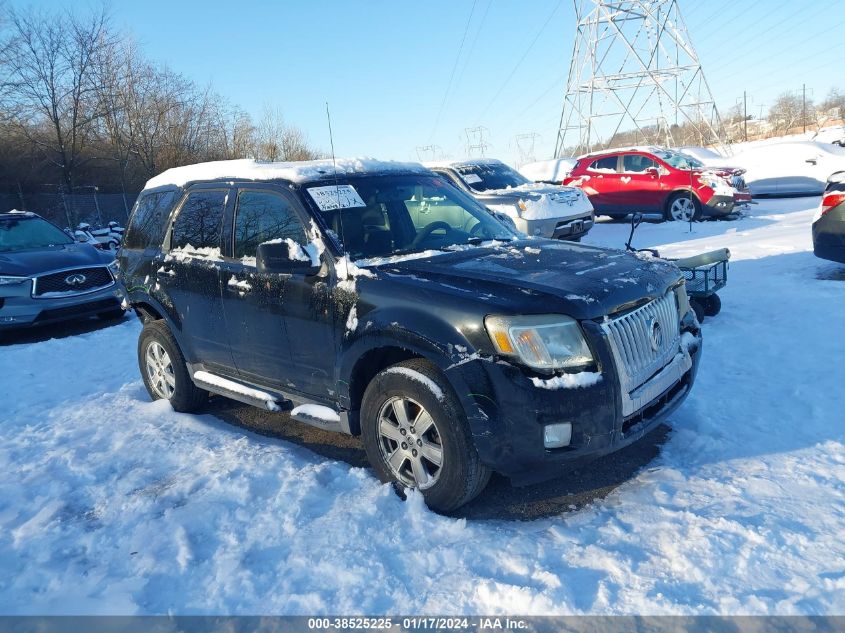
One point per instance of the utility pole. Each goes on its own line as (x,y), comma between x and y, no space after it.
(744,116)
(804,106)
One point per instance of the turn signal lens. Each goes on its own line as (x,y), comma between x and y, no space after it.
(831,200)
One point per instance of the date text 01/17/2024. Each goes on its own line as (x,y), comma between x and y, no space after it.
(417,623)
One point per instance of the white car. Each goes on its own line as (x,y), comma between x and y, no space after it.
(535,209)
(782,168)
(551,171)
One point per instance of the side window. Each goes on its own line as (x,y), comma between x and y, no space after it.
(146,228)
(606,164)
(636,163)
(198,223)
(262,216)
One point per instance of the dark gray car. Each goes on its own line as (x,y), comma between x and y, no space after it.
(829,224)
(46,276)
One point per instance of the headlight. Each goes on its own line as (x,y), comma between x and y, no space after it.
(545,341)
(683,300)
(12,281)
(114,267)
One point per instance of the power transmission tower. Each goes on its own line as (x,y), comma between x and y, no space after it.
(525,144)
(475,141)
(428,152)
(634,78)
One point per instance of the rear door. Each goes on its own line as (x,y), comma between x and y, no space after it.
(639,190)
(188,274)
(603,183)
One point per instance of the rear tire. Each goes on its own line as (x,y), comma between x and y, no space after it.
(164,370)
(683,207)
(712,305)
(397,404)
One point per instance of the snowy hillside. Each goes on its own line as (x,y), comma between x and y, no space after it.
(112,504)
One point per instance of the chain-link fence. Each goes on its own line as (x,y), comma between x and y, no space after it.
(93,207)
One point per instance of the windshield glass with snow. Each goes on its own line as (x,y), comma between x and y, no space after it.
(680,161)
(487,177)
(397,215)
(24,233)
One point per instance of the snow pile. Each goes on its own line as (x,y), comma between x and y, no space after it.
(566,203)
(316,411)
(568,381)
(112,504)
(190,252)
(420,378)
(298,172)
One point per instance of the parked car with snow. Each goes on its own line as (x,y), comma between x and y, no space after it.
(784,168)
(829,223)
(536,209)
(376,299)
(552,172)
(45,276)
(656,180)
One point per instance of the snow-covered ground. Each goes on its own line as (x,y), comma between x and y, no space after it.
(112,504)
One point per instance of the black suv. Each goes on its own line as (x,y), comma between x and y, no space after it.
(377,299)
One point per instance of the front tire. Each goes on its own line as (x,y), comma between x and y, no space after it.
(164,370)
(415,433)
(683,207)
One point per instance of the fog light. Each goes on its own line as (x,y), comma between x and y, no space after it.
(557,435)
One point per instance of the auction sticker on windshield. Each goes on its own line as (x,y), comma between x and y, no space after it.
(336,197)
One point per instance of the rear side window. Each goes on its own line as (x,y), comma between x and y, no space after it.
(262,216)
(199,220)
(636,163)
(146,228)
(606,164)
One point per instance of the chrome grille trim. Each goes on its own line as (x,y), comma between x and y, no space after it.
(631,344)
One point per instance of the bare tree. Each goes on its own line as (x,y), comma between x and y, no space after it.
(788,111)
(275,140)
(52,79)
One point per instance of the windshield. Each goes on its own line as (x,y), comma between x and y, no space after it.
(679,160)
(486,177)
(18,234)
(397,215)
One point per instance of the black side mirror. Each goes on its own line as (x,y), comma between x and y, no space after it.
(283,257)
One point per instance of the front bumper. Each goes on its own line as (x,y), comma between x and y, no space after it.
(719,206)
(569,228)
(20,310)
(508,431)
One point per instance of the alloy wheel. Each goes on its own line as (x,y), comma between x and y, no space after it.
(160,370)
(410,442)
(682,209)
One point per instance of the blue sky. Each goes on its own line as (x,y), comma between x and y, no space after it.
(384,67)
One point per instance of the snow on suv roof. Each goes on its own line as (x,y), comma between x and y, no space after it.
(651,149)
(469,162)
(298,172)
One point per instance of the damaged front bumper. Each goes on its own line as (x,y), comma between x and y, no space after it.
(508,412)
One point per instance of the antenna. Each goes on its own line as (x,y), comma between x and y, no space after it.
(336,185)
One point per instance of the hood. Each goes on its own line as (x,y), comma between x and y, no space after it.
(585,282)
(34,262)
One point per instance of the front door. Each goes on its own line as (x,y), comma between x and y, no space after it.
(603,184)
(639,189)
(277,336)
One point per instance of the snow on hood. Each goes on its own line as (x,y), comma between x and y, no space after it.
(298,172)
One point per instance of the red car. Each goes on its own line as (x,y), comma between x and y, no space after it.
(657,180)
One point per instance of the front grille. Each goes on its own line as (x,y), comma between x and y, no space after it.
(640,347)
(71,282)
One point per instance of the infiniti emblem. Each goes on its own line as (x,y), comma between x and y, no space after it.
(656,335)
(75,280)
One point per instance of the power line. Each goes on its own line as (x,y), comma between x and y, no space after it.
(468,56)
(452,74)
(521,59)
